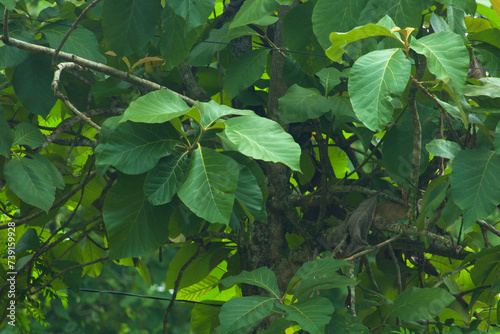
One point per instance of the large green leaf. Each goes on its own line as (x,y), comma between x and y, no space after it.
(156,107)
(420,304)
(244,312)
(405,13)
(338,40)
(209,187)
(211,111)
(447,57)
(28,134)
(204,318)
(244,71)
(134,226)
(489,57)
(81,42)
(176,41)
(194,12)
(129,25)
(443,148)
(377,78)
(6,138)
(333,280)
(311,314)
(163,181)
(335,15)
(262,277)
(261,138)
(324,266)
(202,54)
(299,36)
(28,179)
(489,87)
(300,104)
(252,11)
(32,83)
(9,56)
(497,138)
(52,172)
(468,5)
(329,77)
(475,183)
(344,323)
(135,148)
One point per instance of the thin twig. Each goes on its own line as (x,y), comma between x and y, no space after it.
(369,271)
(374,248)
(488,227)
(70,30)
(448,275)
(5,37)
(396,266)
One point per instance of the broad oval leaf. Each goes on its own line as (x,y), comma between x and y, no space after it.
(489,87)
(261,138)
(262,277)
(376,78)
(28,179)
(163,181)
(244,71)
(420,304)
(311,314)
(135,148)
(209,187)
(156,107)
(134,226)
(252,11)
(194,12)
(475,183)
(211,111)
(447,57)
(128,25)
(28,134)
(300,104)
(443,148)
(244,312)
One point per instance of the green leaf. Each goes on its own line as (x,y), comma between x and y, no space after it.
(420,304)
(52,171)
(81,42)
(329,78)
(262,277)
(300,104)
(129,25)
(134,226)
(438,23)
(468,5)
(163,181)
(311,314)
(489,87)
(143,270)
(194,12)
(28,179)
(299,36)
(490,14)
(497,138)
(28,134)
(406,13)
(325,266)
(244,312)
(9,4)
(196,291)
(176,41)
(252,11)
(10,56)
(135,148)
(90,253)
(205,318)
(338,40)
(344,323)
(447,57)
(443,148)
(212,111)
(333,280)
(249,195)
(335,15)
(475,183)
(32,83)
(5,136)
(209,187)
(261,138)
(244,71)
(376,78)
(489,57)
(156,107)
(202,54)
(456,20)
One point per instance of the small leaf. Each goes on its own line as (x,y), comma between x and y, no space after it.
(90,253)
(134,226)
(252,11)
(339,40)
(376,78)
(447,57)
(194,12)
(311,314)
(143,270)
(212,111)
(244,71)
(244,313)
(209,187)
(443,148)
(135,148)
(420,304)
(156,107)
(300,104)
(475,183)
(28,134)
(28,179)
(261,138)
(163,181)
(262,277)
